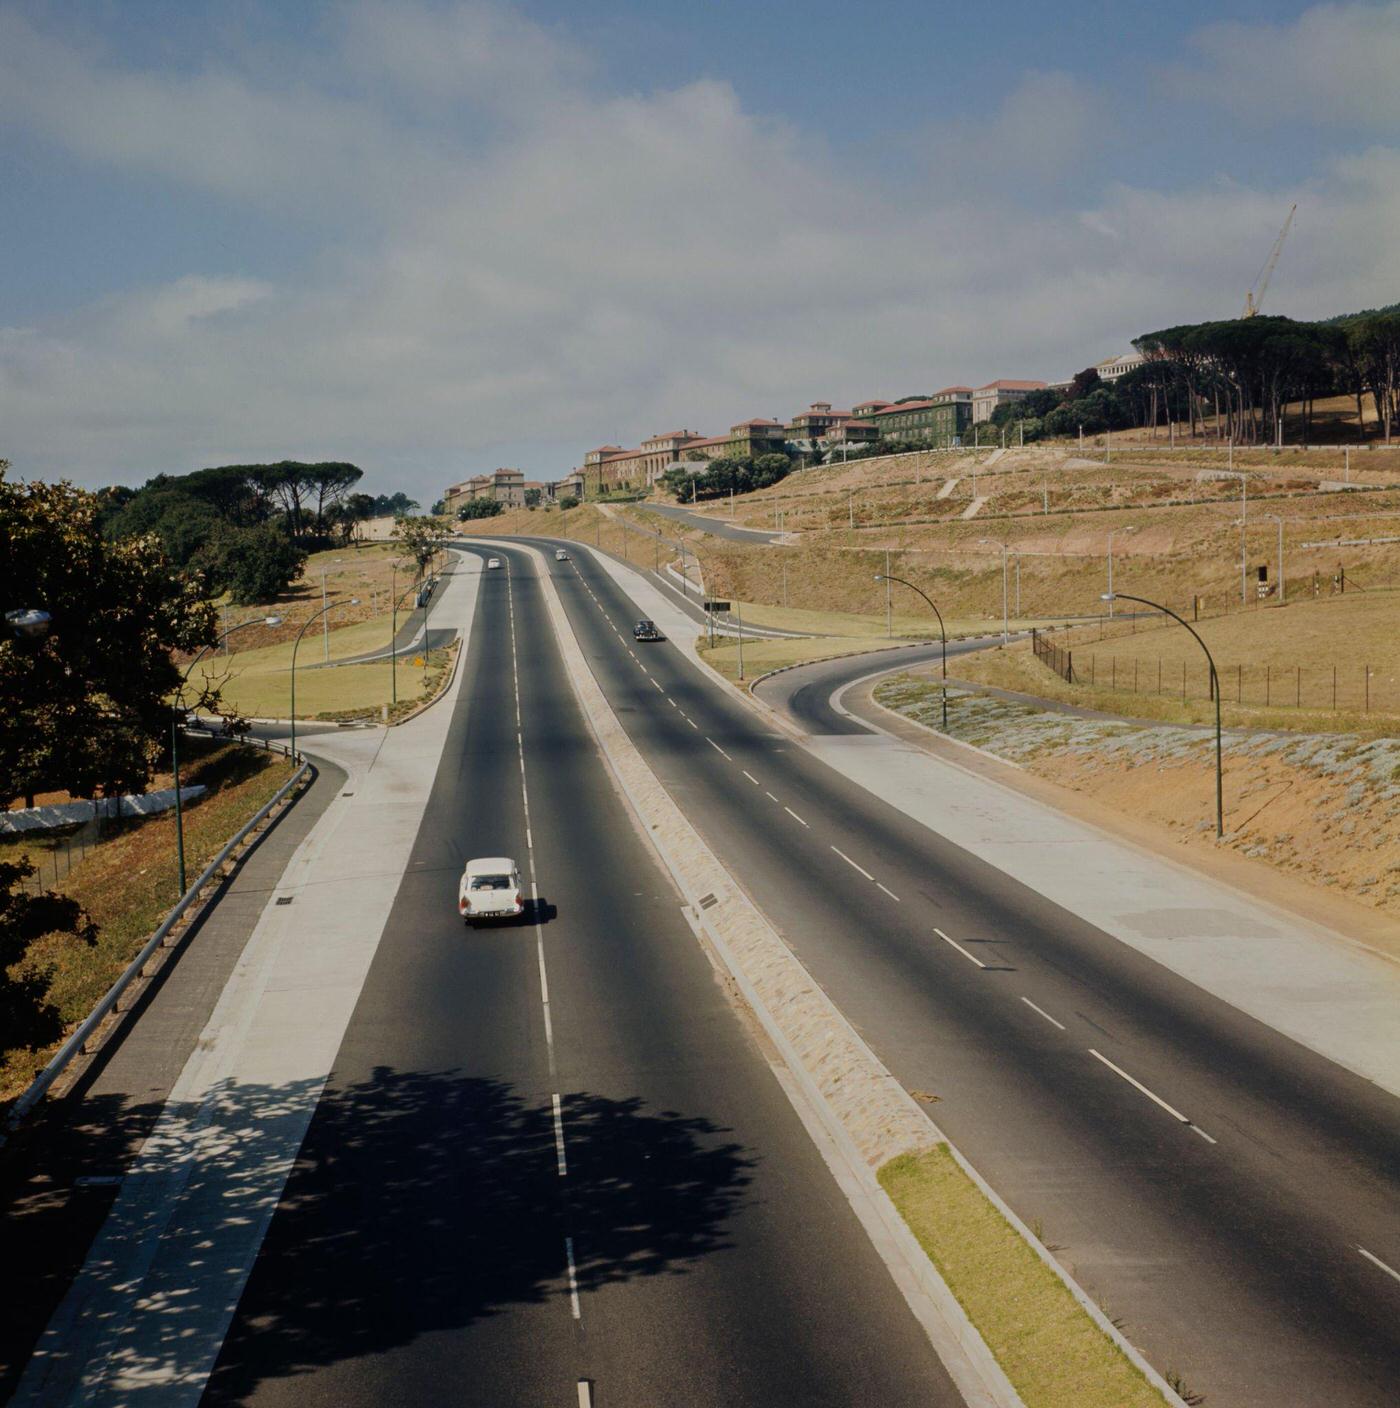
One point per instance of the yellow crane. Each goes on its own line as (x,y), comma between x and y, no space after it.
(1254,298)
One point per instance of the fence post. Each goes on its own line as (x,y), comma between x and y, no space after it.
(1268,685)
(1298,696)
(1183,681)
(1367,669)
(1334,689)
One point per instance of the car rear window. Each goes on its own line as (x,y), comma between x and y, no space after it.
(490,882)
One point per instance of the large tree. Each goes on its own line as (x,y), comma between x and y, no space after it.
(419,538)
(86,707)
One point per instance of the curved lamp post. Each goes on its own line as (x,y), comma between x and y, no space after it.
(1214,689)
(176,711)
(1005,552)
(296,644)
(394,637)
(885,577)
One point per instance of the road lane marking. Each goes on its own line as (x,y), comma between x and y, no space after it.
(559,1137)
(1156,1099)
(1196,1129)
(1376,1261)
(693,724)
(853,865)
(1044,1014)
(719,750)
(794,815)
(772,798)
(585,1394)
(971,957)
(889,892)
(750,776)
(573,1277)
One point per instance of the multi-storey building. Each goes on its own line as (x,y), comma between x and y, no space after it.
(811,429)
(1115,367)
(998,393)
(863,410)
(937,420)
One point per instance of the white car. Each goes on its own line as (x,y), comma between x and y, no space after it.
(492,562)
(560,555)
(490,889)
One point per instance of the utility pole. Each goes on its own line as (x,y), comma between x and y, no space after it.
(1278,518)
(889,619)
(851,507)
(1045,493)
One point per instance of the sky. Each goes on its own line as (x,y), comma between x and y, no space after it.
(433,238)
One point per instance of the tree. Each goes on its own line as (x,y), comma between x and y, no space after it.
(439,506)
(27,1017)
(532,498)
(1084,382)
(87,707)
(419,538)
(251,564)
(480,508)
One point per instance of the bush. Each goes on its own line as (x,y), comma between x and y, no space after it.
(480,508)
(568,501)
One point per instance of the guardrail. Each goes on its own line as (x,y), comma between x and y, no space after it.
(107,1003)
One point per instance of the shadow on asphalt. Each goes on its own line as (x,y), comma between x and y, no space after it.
(426,1202)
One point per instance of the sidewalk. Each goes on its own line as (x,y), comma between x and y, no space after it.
(1320,987)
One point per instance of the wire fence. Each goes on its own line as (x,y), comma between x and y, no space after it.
(1056,657)
(54,856)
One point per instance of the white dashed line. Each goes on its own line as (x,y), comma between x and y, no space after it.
(750,776)
(971,957)
(692,723)
(889,892)
(794,816)
(719,750)
(772,798)
(1376,1261)
(1043,1013)
(573,1277)
(559,1138)
(1156,1099)
(853,865)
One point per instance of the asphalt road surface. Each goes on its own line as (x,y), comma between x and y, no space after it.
(718,526)
(1229,1195)
(557,1153)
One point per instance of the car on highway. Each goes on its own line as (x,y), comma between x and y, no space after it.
(560,555)
(492,562)
(490,889)
(646,630)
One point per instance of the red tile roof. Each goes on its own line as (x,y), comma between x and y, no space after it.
(948,390)
(1013,386)
(760,420)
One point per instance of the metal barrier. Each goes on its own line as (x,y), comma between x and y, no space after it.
(108,1001)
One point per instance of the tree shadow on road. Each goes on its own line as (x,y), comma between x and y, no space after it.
(426,1202)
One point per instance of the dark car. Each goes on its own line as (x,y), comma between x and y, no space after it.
(646,630)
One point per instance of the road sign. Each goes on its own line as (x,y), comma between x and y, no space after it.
(716,606)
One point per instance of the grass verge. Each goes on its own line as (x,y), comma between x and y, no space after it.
(761,656)
(1041,1336)
(129,882)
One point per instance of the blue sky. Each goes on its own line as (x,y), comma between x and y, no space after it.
(434,237)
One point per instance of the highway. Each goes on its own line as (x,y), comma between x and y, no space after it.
(555,1151)
(1227,1194)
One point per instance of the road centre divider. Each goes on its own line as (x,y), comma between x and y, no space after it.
(863,1109)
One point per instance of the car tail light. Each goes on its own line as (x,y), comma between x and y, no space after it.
(464,904)
(518,903)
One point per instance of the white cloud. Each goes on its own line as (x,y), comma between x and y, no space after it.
(1334,64)
(618,265)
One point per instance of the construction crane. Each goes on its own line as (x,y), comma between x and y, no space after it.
(1254,298)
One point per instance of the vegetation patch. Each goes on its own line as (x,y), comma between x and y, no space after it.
(130,881)
(1050,1349)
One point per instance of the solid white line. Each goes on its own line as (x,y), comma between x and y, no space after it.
(853,865)
(559,1138)
(971,957)
(794,815)
(1138,1085)
(1043,1013)
(889,892)
(750,776)
(573,1278)
(719,750)
(1375,1260)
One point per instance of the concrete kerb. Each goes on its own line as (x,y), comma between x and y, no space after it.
(702,917)
(865,1112)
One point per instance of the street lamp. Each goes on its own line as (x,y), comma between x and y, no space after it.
(175,718)
(1005,551)
(296,645)
(882,576)
(28,623)
(326,633)
(1215,691)
(1244,528)
(1108,596)
(394,632)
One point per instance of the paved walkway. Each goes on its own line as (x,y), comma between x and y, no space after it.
(146,1316)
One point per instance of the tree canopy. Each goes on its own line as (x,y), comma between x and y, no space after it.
(87,705)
